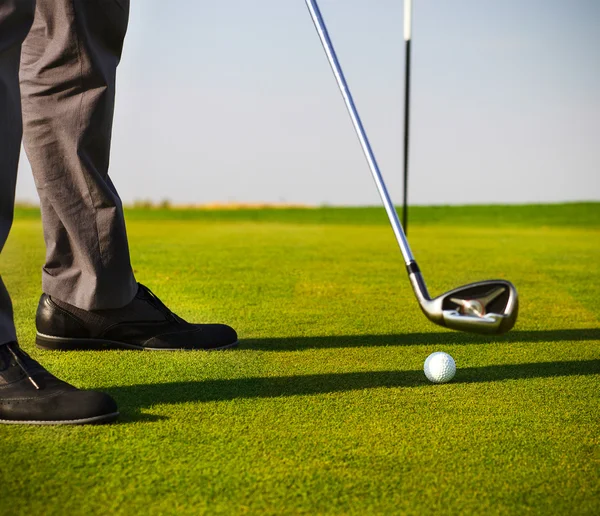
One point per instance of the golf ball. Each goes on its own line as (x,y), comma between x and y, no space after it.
(439,367)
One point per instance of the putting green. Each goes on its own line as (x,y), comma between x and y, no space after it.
(324,407)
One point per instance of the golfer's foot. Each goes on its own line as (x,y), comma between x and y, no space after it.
(30,395)
(145,323)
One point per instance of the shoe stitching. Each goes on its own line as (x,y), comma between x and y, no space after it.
(47,396)
(72,316)
(125,323)
(183,332)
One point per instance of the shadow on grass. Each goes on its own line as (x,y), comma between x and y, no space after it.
(135,397)
(417,339)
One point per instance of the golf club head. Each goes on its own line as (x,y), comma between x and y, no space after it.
(489,307)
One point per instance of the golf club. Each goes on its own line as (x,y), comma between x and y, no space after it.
(489,307)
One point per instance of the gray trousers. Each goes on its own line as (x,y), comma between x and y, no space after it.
(67,52)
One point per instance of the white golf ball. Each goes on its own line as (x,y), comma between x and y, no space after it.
(439,367)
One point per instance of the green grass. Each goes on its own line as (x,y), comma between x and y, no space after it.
(324,407)
(577,214)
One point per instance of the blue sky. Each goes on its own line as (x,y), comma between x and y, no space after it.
(234,102)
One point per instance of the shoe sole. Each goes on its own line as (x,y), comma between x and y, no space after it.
(96,420)
(50,343)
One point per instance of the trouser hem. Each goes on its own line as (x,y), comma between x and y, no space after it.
(7,332)
(88,294)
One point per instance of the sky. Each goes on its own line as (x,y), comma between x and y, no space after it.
(235,102)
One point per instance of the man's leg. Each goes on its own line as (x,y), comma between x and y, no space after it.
(91,299)
(68,69)
(28,393)
(15,19)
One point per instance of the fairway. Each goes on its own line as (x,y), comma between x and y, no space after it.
(324,407)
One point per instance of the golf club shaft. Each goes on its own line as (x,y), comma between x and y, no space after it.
(315,14)
(407,39)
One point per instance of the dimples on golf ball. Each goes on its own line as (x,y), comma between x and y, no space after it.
(439,367)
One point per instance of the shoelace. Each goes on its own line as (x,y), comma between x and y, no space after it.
(15,352)
(158,304)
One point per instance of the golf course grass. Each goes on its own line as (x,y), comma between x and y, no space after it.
(324,407)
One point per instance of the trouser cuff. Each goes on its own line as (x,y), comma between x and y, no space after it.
(90,293)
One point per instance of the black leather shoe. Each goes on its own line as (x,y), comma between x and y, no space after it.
(145,323)
(30,395)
